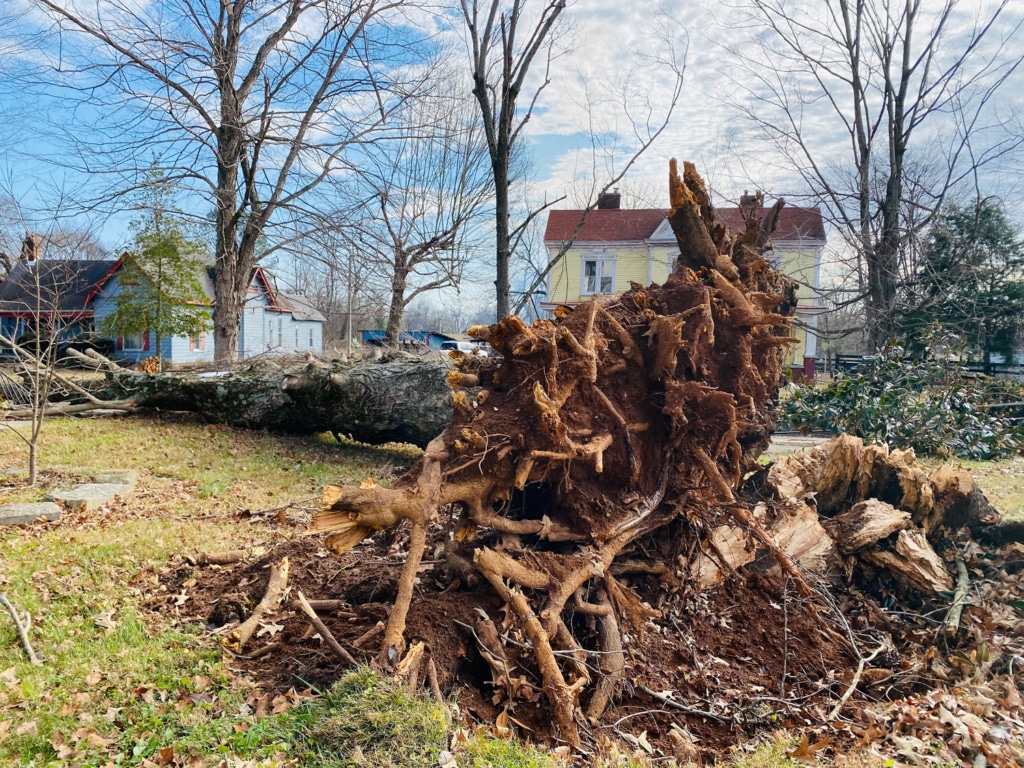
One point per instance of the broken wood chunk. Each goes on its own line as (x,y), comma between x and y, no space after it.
(915,561)
(866,523)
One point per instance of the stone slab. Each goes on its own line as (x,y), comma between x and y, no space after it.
(22,514)
(118,476)
(89,496)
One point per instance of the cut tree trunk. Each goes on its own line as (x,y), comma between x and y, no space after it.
(400,398)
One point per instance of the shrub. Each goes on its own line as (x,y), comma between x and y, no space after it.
(931,405)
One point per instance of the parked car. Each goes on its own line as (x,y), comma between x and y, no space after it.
(467,347)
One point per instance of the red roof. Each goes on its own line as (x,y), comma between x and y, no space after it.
(618,225)
(794,223)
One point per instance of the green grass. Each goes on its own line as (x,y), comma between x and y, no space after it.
(1003,484)
(367,720)
(121,685)
(225,469)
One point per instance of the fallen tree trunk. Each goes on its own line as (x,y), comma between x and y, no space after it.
(401,398)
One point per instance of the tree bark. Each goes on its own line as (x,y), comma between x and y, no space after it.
(401,398)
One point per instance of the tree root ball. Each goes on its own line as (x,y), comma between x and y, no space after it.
(588,436)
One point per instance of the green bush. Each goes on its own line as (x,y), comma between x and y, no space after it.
(931,405)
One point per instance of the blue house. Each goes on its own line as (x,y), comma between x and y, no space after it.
(78,295)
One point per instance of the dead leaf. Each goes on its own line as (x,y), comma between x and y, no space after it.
(805,752)
(27,729)
(105,621)
(269,629)
(280,704)
(92,737)
(93,678)
(5,726)
(9,677)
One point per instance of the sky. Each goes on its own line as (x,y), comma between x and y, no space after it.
(610,73)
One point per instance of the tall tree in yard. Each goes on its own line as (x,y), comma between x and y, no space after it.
(421,196)
(252,102)
(506,39)
(900,99)
(971,279)
(502,52)
(160,283)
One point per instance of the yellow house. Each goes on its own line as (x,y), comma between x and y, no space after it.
(616,246)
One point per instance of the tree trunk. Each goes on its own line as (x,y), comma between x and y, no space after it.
(503,249)
(401,398)
(397,308)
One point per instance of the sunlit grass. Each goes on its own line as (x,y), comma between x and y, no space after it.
(229,469)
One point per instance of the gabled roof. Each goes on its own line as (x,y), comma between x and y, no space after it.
(52,286)
(300,306)
(609,225)
(67,287)
(638,224)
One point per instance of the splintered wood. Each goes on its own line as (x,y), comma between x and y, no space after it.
(628,426)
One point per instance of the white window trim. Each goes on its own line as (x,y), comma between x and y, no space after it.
(604,259)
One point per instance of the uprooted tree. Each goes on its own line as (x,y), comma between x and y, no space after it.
(591,433)
(597,493)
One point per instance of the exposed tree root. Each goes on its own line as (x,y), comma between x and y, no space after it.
(620,435)
(622,415)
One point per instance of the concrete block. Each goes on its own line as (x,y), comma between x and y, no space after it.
(117,476)
(21,514)
(89,496)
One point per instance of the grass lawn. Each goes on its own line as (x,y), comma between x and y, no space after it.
(121,686)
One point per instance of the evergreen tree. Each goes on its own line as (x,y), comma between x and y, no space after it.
(160,278)
(971,280)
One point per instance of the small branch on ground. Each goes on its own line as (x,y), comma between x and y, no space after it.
(23,629)
(861,665)
(952,622)
(275,594)
(325,633)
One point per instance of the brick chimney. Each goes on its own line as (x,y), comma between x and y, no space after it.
(609,201)
(30,248)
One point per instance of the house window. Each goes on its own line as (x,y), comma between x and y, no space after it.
(135,342)
(270,334)
(598,275)
(280,328)
(197,342)
(296,338)
(310,338)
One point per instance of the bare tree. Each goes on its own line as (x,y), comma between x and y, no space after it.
(338,280)
(506,38)
(422,196)
(502,52)
(253,102)
(43,300)
(880,107)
